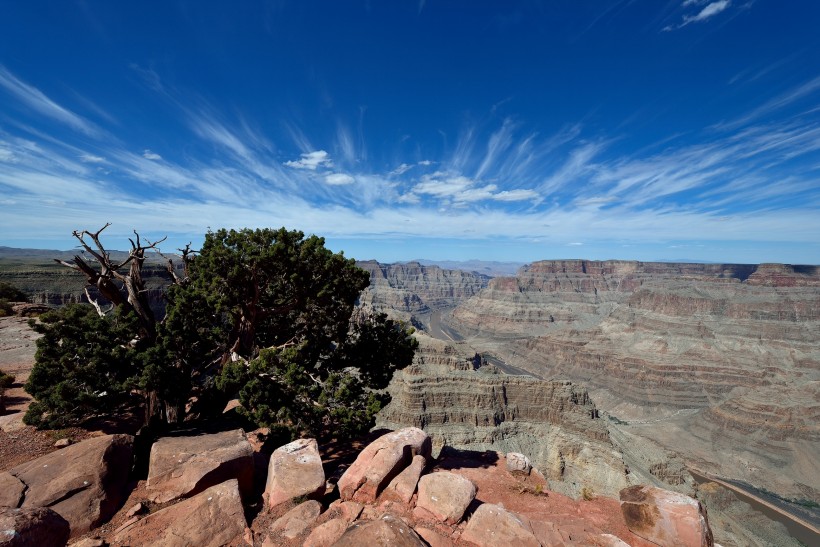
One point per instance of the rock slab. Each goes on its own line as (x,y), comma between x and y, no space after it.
(296,521)
(186,465)
(387,530)
(85,482)
(381,461)
(32,527)
(212,518)
(492,525)
(445,495)
(404,485)
(11,490)
(295,471)
(665,517)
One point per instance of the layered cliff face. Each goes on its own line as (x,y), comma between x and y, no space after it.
(412,291)
(466,403)
(705,359)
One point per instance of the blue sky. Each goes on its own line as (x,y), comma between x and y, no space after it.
(634,129)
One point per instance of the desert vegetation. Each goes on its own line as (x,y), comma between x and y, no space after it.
(263,315)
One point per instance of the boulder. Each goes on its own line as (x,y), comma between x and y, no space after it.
(186,465)
(296,521)
(518,463)
(445,495)
(326,534)
(295,471)
(11,490)
(609,540)
(32,527)
(85,482)
(433,538)
(492,525)
(214,517)
(387,530)
(404,485)
(381,461)
(665,517)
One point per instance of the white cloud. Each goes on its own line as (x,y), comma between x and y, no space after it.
(425,163)
(400,170)
(147,154)
(311,161)
(90,158)
(575,244)
(37,100)
(707,12)
(339,179)
(516,195)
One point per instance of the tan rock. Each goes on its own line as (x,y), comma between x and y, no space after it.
(350,510)
(295,470)
(387,530)
(609,540)
(135,509)
(381,461)
(433,538)
(85,482)
(62,443)
(296,521)
(404,485)
(492,525)
(32,527)
(11,490)
(90,542)
(186,465)
(214,517)
(665,517)
(326,534)
(445,495)
(518,463)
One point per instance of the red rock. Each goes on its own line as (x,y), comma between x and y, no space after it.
(492,525)
(295,470)
(445,495)
(387,530)
(85,482)
(136,509)
(609,540)
(518,463)
(433,538)
(296,521)
(32,527)
(665,518)
(212,518)
(404,485)
(350,510)
(11,490)
(186,465)
(381,461)
(326,534)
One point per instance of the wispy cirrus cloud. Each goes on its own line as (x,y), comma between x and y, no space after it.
(311,161)
(42,104)
(709,9)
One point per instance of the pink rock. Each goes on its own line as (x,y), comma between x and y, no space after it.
(11,490)
(445,495)
(404,485)
(84,483)
(387,530)
(295,470)
(492,525)
(186,465)
(32,526)
(433,538)
(665,517)
(326,534)
(518,463)
(212,518)
(296,521)
(382,460)
(609,540)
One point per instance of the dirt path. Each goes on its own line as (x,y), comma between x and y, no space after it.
(17,347)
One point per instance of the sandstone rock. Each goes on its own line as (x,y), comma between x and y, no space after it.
(404,485)
(11,490)
(214,517)
(186,465)
(381,461)
(135,509)
(609,540)
(32,527)
(90,542)
(433,538)
(295,470)
(518,463)
(85,483)
(326,534)
(349,510)
(445,495)
(664,517)
(296,521)
(388,530)
(62,443)
(492,525)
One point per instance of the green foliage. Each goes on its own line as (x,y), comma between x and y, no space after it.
(85,365)
(5,308)
(11,293)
